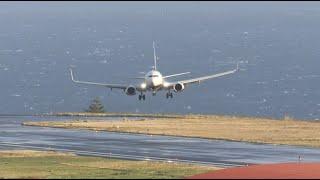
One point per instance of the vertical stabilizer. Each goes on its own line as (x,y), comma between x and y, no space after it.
(154,57)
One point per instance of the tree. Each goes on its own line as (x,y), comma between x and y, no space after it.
(96,106)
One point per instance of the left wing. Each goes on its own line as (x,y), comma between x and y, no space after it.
(117,86)
(199,79)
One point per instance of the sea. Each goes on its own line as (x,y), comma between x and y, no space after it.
(277,45)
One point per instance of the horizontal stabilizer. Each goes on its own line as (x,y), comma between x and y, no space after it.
(173,75)
(137,78)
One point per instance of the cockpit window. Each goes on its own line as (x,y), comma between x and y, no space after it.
(153,76)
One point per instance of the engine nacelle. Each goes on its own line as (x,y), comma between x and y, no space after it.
(130,90)
(178,87)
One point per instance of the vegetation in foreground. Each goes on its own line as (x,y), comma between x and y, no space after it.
(96,106)
(258,130)
(29,164)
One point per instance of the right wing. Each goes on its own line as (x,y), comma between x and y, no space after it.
(117,86)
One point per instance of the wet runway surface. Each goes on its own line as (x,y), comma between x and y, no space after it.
(136,146)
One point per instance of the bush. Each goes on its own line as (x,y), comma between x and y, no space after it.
(96,106)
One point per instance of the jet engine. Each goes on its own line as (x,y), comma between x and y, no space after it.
(130,90)
(178,87)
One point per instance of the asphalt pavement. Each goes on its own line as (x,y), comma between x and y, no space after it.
(145,147)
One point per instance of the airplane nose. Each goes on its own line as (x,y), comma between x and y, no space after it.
(153,82)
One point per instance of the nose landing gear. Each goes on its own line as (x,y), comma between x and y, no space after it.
(169,94)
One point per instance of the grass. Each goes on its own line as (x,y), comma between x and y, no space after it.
(117,114)
(259,130)
(43,164)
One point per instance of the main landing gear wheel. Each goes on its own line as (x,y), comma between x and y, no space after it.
(169,94)
(142,96)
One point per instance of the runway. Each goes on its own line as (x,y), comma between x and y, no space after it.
(145,147)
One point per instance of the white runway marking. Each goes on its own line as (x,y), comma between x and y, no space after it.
(120,156)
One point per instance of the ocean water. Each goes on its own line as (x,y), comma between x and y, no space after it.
(277,44)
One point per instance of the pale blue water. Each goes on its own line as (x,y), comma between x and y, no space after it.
(277,43)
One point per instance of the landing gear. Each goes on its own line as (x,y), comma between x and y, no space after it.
(169,94)
(142,97)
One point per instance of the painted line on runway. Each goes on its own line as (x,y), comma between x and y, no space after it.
(123,156)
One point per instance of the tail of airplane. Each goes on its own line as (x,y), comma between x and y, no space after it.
(154,58)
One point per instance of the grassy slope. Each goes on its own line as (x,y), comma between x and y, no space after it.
(32,165)
(291,132)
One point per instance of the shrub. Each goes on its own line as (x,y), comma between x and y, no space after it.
(96,106)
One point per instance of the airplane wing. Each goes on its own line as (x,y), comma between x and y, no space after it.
(199,79)
(116,86)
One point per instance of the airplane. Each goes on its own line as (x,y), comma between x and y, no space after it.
(154,81)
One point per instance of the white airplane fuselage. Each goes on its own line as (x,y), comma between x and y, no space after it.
(153,80)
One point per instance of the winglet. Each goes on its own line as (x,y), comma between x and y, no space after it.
(71,73)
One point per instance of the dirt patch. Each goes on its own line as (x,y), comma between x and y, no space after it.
(266,171)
